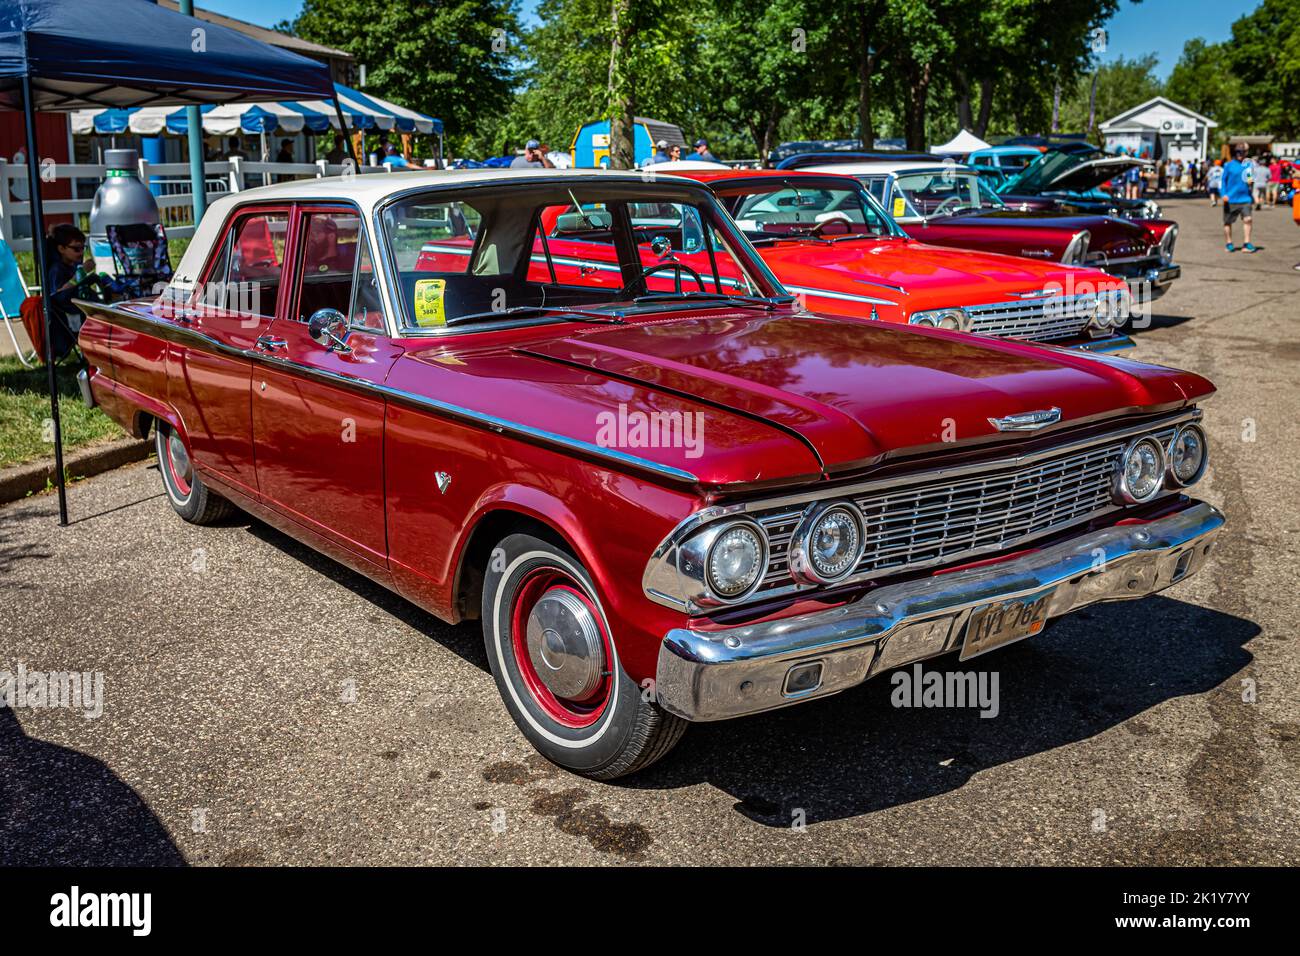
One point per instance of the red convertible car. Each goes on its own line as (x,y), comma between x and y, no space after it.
(664,504)
(829,241)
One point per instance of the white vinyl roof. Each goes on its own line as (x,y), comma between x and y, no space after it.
(881,167)
(367,190)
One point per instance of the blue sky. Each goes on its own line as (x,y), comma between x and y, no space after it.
(1153,26)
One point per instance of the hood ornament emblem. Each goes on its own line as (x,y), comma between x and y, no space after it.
(1027,421)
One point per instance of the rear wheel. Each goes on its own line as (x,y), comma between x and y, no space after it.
(189,496)
(556,667)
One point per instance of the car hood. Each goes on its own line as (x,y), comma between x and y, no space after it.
(913,274)
(782,397)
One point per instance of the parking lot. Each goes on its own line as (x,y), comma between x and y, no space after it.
(262,705)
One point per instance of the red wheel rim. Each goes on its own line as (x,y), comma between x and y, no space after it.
(563,710)
(178,464)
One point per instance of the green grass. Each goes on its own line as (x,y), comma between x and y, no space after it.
(25,408)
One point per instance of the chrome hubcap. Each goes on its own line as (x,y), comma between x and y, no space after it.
(565,646)
(179,456)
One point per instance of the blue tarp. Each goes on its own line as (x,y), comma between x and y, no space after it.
(125,53)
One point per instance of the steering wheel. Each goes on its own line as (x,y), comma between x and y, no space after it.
(938,210)
(677,267)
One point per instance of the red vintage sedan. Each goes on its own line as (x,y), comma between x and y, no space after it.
(664,504)
(830,242)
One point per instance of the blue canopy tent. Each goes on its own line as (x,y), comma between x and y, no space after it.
(61,55)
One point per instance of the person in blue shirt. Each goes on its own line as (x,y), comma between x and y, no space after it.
(393,158)
(1238,198)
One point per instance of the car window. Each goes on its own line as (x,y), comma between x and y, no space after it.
(527,254)
(941,192)
(336,271)
(256,263)
(806,209)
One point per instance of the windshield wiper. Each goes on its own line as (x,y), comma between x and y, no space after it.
(578,315)
(722,298)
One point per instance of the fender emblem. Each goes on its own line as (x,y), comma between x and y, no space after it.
(1027,421)
(443,480)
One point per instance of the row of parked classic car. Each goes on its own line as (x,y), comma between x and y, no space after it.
(690,445)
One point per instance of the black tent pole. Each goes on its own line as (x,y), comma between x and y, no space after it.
(343,128)
(38,249)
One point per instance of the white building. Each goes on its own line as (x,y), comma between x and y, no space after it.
(1159,129)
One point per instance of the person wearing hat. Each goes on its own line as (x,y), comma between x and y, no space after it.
(1238,198)
(533,157)
(702,152)
(661,154)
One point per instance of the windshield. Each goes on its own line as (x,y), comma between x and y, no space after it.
(770,211)
(941,192)
(588,249)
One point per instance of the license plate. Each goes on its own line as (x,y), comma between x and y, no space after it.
(996,625)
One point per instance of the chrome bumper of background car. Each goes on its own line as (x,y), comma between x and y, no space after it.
(730,672)
(1111,343)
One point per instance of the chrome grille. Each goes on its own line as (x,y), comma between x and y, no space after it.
(940,522)
(1040,320)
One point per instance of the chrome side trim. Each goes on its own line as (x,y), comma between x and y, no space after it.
(845,296)
(1114,343)
(727,672)
(193,338)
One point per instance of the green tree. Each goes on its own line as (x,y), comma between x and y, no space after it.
(1264,53)
(1203,80)
(1121,85)
(449,58)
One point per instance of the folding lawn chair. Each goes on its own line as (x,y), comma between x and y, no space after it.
(13,290)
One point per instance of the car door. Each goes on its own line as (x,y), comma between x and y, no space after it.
(237,299)
(318,425)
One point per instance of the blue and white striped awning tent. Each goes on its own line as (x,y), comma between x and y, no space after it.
(361,111)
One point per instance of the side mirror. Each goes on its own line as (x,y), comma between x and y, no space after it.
(330,329)
(660,246)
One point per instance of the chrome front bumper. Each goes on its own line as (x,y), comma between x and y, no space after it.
(730,672)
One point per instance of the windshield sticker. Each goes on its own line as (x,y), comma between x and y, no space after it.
(429,312)
(899,207)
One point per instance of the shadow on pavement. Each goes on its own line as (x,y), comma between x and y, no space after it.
(855,753)
(465,640)
(60,807)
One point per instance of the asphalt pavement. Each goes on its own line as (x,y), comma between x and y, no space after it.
(262,705)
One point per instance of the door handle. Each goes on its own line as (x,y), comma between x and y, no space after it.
(270,343)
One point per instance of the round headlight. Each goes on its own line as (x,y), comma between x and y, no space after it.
(1188,455)
(1103,313)
(736,561)
(927,320)
(828,545)
(951,319)
(833,544)
(1141,471)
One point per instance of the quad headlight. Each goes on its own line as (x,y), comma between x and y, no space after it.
(1077,251)
(1111,308)
(1188,455)
(1167,244)
(828,545)
(736,561)
(955,319)
(1141,473)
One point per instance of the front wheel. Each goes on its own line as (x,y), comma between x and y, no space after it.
(556,667)
(189,496)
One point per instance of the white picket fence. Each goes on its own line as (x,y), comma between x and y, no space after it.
(174,204)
